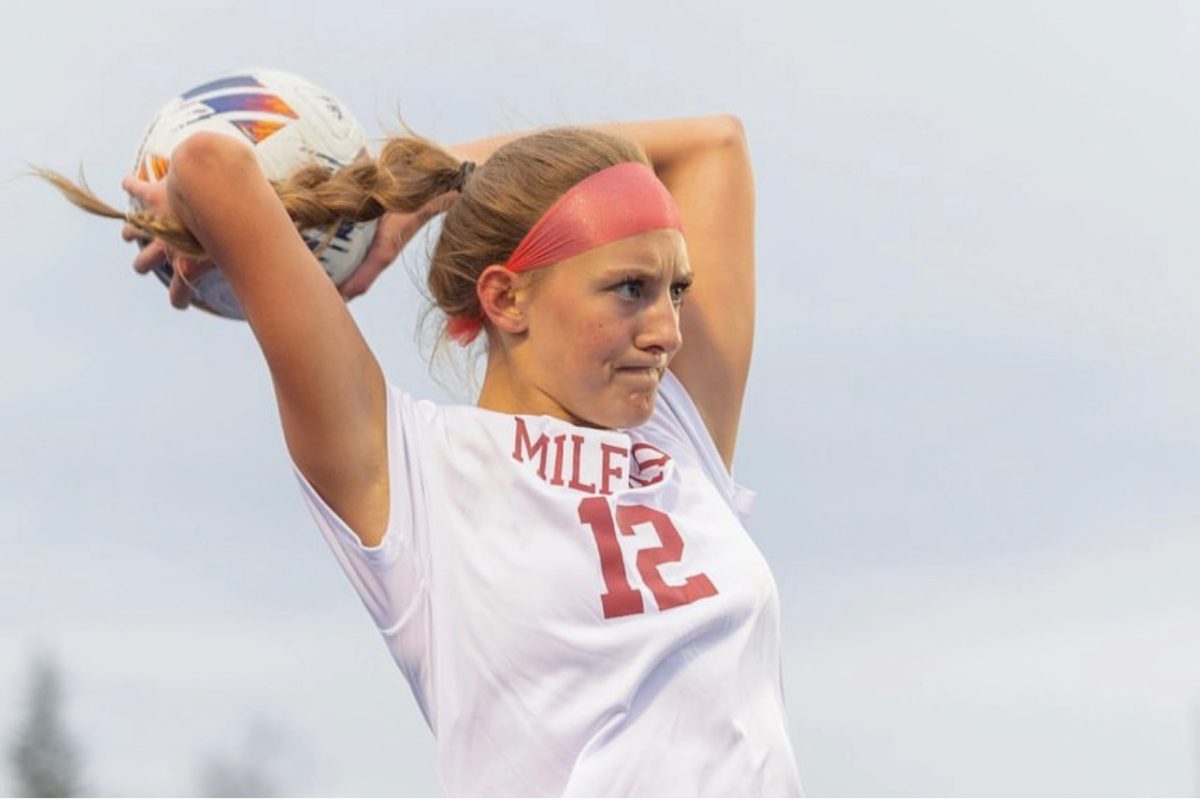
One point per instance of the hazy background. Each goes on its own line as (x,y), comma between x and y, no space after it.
(973,417)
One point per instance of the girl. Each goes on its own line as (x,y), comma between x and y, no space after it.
(561,571)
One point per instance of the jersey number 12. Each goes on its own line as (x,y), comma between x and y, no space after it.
(620,599)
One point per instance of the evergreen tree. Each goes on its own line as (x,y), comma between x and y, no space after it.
(45,760)
(251,772)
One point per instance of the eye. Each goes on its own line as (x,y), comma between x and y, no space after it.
(678,290)
(630,288)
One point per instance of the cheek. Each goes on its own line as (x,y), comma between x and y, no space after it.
(588,332)
(603,341)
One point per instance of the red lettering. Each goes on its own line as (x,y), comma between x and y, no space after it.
(577,452)
(614,463)
(642,461)
(559,441)
(532,448)
(607,470)
(694,587)
(619,598)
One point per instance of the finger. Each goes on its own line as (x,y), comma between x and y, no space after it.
(441,203)
(135,187)
(362,278)
(132,234)
(150,257)
(195,267)
(183,282)
(179,292)
(148,195)
(388,242)
(390,235)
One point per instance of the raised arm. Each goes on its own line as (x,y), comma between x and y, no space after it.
(329,387)
(706,166)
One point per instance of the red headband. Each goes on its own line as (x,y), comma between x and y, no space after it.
(608,205)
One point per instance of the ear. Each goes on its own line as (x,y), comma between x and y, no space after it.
(500,291)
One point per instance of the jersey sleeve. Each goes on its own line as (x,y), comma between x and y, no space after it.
(392,578)
(676,416)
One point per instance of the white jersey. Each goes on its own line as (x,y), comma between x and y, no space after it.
(577,611)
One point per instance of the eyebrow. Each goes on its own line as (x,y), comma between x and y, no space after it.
(640,264)
(686,278)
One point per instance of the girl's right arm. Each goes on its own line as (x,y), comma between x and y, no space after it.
(328,385)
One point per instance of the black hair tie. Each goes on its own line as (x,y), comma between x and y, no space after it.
(464,171)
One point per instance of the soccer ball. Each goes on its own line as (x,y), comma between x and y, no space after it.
(291,123)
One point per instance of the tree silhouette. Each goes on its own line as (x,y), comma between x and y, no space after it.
(253,771)
(45,760)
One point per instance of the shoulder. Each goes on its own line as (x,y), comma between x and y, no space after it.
(678,427)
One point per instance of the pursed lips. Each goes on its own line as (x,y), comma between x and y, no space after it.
(650,370)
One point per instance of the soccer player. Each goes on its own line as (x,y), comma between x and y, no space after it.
(562,571)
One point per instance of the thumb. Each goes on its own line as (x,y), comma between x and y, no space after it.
(388,241)
(363,276)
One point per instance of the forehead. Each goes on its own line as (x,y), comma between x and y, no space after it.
(656,251)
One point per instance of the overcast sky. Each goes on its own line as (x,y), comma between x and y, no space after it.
(973,417)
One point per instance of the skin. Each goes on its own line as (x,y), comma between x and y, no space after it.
(580,342)
(705,164)
(589,341)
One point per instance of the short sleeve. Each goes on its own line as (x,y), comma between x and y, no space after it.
(677,416)
(392,579)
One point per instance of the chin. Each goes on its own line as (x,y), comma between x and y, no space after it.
(638,410)
(629,414)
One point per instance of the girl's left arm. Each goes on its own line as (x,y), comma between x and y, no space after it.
(706,166)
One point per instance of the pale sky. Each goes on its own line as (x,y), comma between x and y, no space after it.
(973,418)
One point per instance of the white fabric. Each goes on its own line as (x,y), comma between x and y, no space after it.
(487,589)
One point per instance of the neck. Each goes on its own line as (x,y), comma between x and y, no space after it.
(505,392)
(499,391)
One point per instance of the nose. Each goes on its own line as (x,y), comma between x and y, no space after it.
(659,331)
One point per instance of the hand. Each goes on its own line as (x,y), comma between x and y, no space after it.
(154,254)
(395,230)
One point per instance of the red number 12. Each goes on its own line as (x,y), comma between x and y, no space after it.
(620,599)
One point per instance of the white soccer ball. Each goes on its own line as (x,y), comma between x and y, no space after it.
(291,123)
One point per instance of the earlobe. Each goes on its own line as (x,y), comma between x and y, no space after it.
(498,289)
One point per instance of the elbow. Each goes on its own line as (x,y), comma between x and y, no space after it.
(728,131)
(203,169)
(208,155)
(727,141)
(730,147)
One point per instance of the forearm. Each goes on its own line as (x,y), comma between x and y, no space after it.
(329,387)
(671,143)
(667,142)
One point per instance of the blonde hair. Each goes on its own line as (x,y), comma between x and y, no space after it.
(497,206)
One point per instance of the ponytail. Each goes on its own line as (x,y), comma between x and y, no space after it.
(80,194)
(409,172)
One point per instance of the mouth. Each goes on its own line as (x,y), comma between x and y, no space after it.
(645,373)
